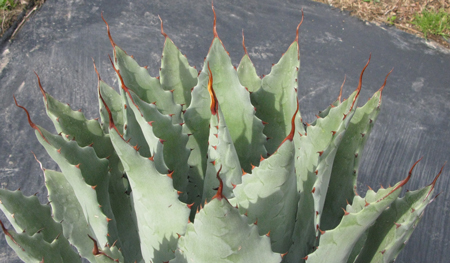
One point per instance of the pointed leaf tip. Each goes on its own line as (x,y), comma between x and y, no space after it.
(298,27)
(219,195)
(214,25)
(96,71)
(162,29)
(109,35)
(358,90)
(404,181)
(435,180)
(438,175)
(34,126)
(384,84)
(40,164)
(243,44)
(40,86)
(342,86)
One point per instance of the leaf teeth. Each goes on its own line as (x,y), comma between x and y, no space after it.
(345,212)
(321,231)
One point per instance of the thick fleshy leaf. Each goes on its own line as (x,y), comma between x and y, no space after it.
(35,249)
(346,163)
(28,216)
(160,215)
(247,74)
(221,234)
(276,100)
(197,118)
(69,211)
(153,143)
(176,73)
(245,128)
(118,193)
(221,156)
(87,174)
(395,225)
(73,125)
(269,196)
(359,217)
(246,131)
(315,152)
(158,128)
(114,100)
(148,88)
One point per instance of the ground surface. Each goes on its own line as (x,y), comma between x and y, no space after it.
(59,41)
(399,13)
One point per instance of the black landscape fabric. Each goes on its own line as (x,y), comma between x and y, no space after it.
(60,39)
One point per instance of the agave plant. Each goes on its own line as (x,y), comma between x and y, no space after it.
(209,166)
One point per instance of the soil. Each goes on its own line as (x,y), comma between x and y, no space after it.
(12,17)
(381,11)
